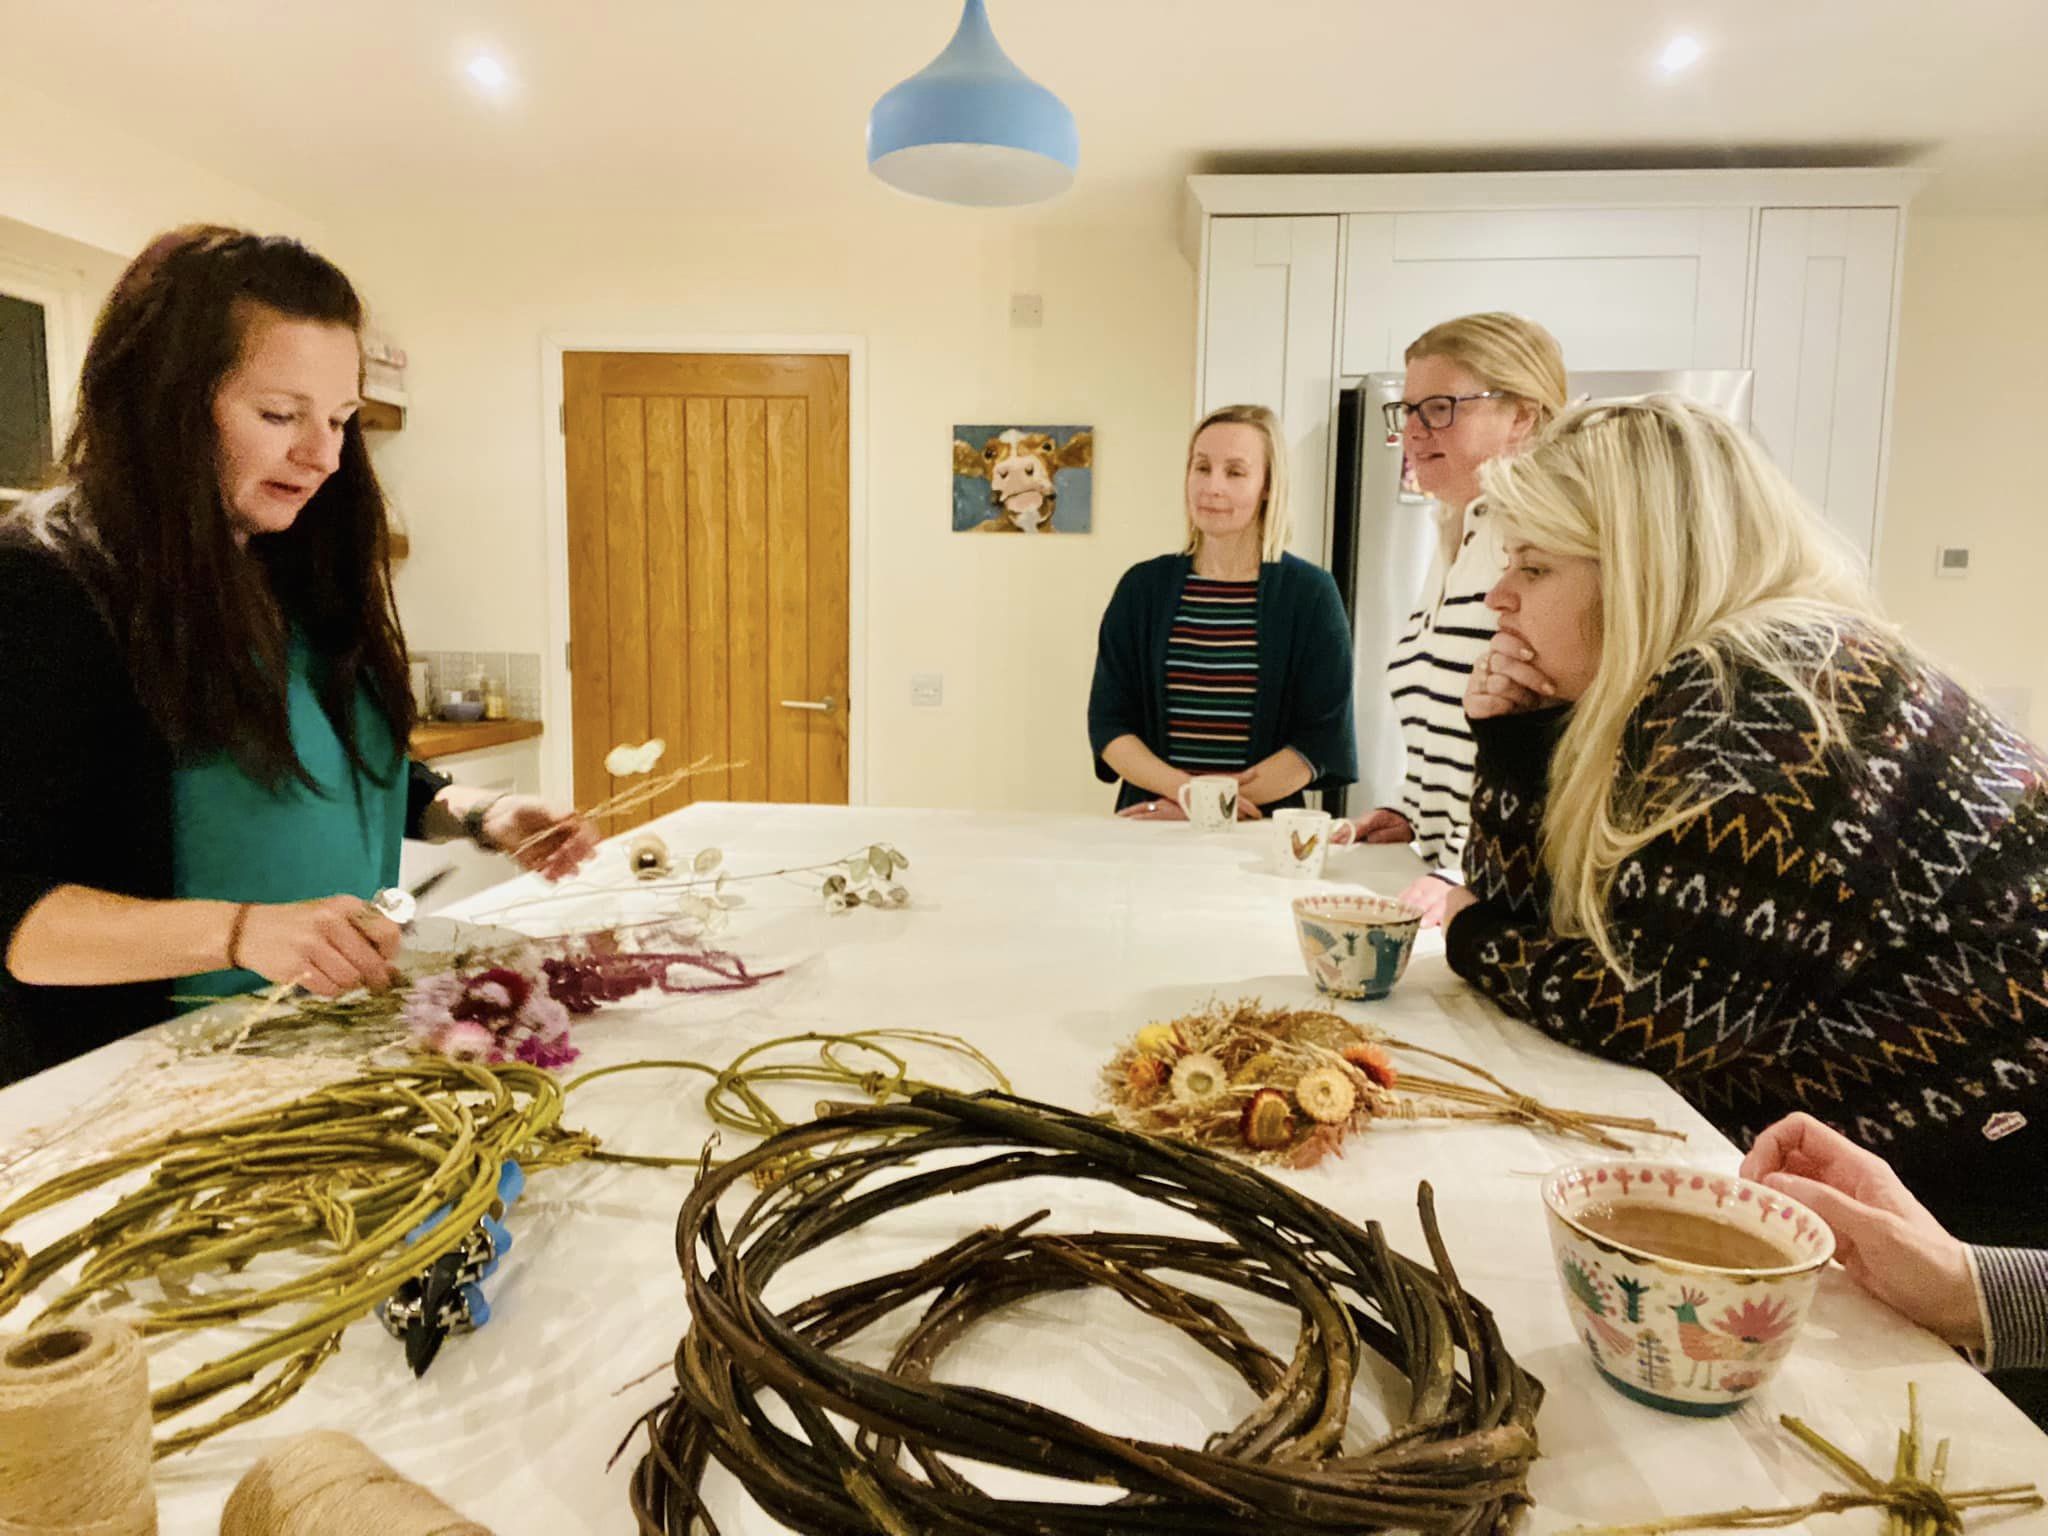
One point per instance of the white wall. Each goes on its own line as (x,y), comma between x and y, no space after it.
(70,174)
(1970,405)
(1009,622)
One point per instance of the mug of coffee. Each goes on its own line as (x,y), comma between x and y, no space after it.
(1301,842)
(1210,800)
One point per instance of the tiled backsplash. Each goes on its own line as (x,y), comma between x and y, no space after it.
(517,673)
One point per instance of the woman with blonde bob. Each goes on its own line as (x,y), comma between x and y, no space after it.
(1729,826)
(1477,388)
(1231,656)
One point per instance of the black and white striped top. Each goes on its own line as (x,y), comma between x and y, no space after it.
(1427,675)
(2012,1284)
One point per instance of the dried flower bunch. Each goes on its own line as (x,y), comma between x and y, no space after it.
(1276,1084)
(1287,1086)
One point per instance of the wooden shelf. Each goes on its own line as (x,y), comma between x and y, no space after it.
(444,738)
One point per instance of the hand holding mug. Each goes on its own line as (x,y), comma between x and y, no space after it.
(1384,825)
(1889,1242)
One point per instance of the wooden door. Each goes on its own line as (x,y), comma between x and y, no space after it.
(708,571)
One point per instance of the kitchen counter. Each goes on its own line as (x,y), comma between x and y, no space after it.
(444,738)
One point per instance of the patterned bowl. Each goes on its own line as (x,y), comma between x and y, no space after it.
(1357,945)
(1688,1338)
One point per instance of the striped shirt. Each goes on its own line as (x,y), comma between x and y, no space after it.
(1212,675)
(1431,663)
(2012,1289)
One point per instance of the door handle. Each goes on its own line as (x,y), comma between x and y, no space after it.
(821,706)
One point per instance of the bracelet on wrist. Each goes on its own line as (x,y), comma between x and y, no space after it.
(473,823)
(235,927)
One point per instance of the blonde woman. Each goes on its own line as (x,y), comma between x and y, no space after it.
(1231,656)
(1727,825)
(1477,389)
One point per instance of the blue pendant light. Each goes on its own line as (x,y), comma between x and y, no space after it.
(973,128)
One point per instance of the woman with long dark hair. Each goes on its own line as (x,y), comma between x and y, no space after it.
(203,766)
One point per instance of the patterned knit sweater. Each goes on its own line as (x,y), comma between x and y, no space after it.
(1860,935)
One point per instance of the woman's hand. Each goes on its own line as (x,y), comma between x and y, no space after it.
(550,842)
(1384,825)
(1887,1240)
(1155,810)
(1430,896)
(1456,899)
(329,946)
(1505,681)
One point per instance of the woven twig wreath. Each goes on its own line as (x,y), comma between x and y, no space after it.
(1456,1460)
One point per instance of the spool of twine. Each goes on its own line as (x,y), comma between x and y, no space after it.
(330,1484)
(75,1434)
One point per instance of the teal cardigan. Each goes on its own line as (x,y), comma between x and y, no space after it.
(1304,698)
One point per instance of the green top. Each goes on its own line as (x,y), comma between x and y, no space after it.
(234,840)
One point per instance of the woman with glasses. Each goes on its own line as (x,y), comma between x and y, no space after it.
(1478,388)
(1729,826)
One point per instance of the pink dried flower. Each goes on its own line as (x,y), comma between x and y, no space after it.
(467,1042)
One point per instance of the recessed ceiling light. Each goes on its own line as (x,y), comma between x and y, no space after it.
(1680,54)
(488,73)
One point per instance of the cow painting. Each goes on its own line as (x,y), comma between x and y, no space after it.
(1022,479)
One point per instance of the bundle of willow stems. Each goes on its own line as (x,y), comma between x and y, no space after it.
(1455,1460)
(346,1172)
(338,1178)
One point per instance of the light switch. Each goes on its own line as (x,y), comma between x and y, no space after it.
(927,690)
(1027,311)
(1952,560)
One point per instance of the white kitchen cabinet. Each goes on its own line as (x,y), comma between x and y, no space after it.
(1792,274)
(1826,292)
(1270,329)
(513,769)
(1619,287)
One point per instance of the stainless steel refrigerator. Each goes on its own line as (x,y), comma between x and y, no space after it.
(1383,535)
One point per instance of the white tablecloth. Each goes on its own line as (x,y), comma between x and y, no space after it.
(1044,940)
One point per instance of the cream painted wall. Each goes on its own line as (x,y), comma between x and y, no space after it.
(1009,623)
(70,174)
(1971,397)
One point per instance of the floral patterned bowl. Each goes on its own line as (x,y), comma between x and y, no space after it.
(1355,946)
(1688,1338)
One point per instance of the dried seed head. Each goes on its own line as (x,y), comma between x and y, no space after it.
(1158,1040)
(1257,1070)
(1144,1076)
(1268,1122)
(1199,1078)
(1326,1095)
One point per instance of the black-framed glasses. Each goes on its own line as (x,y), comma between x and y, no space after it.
(1436,411)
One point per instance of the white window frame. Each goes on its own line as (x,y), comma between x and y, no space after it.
(61,293)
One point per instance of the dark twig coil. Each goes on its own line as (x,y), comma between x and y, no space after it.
(1457,1458)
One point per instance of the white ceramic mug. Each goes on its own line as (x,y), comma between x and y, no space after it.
(1301,842)
(1210,801)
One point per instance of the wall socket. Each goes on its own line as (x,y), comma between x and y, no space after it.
(927,690)
(1027,311)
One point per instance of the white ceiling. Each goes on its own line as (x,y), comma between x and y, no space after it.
(756,108)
